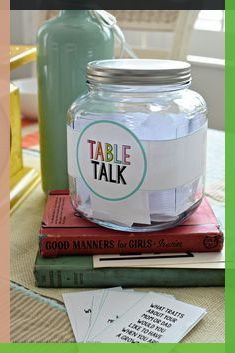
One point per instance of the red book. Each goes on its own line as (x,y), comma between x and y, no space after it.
(65,233)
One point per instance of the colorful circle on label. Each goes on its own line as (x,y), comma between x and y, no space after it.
(111,160)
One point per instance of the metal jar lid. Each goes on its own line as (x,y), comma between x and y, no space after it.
(139,72)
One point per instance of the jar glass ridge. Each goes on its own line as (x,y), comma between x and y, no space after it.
(169,123)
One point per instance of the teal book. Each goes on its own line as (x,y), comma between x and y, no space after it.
(78,272)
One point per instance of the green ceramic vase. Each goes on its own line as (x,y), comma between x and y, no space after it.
(65,45)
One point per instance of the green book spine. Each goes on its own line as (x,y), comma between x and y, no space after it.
(77,272)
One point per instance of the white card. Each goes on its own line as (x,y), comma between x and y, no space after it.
(79,304)
(80,308)
(173,260)
(154,319)
(97,304)
(115,306)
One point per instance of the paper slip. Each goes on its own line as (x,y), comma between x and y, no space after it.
(166,260)
(87,310)
(81,307)
(97,303)
(113,308)
(134,209)
(79,304)
(115,305)
(153,319)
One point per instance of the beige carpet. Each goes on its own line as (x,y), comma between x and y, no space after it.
(34,321)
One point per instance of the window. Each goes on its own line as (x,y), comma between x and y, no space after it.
(210,20)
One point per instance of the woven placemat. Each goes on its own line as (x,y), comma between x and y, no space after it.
(33,320)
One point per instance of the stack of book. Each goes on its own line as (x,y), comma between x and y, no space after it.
(74,252)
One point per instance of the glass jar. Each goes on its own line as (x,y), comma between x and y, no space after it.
(137,145)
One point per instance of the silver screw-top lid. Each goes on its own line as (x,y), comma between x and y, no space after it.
(139,72)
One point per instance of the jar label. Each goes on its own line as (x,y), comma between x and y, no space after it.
(111,160)
(173,163)
(142,177)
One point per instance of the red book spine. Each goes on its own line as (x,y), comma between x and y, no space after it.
(55,245)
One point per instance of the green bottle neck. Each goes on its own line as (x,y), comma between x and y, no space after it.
(75,13)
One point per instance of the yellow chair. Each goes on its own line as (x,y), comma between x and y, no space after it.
(22,179)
